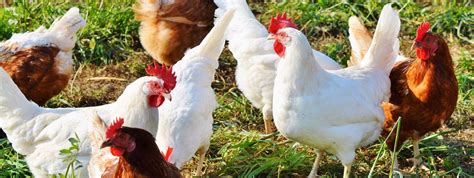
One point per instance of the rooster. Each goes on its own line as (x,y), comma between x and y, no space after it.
(138,153)
(39,133)
(40,62)
(186,121)
(169,28)
(305,107)
(256,60)
(424,90)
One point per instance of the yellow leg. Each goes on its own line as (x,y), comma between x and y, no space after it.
(347,170)
(314,171)
(268,120)
(202,157)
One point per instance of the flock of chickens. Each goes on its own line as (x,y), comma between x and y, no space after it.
(310,98)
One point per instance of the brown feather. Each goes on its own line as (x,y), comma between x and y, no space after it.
(35,71)
(363,39)
(426,93)
(145,160)
(166,41)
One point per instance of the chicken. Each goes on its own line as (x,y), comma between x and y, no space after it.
(424,90)
(186,121)
(139,155)
(39,133)
(335,111)
(40,62)
(169,28)
(256,60)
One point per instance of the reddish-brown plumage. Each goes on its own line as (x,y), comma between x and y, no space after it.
(423,94)
(35,71)
(146,160)
(167,33)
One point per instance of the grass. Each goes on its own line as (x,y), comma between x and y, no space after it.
(109,46)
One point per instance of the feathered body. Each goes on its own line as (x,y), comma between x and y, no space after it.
(139,156)
(39,133)
(186,120)
(305,108)
(424,94)
(146,160)
(424,91)
(170,27)
(256,60)
(40,62)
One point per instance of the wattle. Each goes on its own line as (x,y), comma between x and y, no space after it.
(422,54)
(155,100)
(279,48)
(116,151)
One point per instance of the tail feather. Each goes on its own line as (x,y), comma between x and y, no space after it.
(64,30)
(385,45)
(102,162)
(244,24)
(213,43)
(14,107)
(360,39)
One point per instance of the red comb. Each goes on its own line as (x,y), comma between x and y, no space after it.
(279,22)
(169,150)
(117,124)
(422,29)
(166,74)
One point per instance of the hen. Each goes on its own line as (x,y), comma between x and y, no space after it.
(39,133)
(256,60)
(40,62)
(138,153)
(334,110)
(169,28)
(424,90)
(186,120)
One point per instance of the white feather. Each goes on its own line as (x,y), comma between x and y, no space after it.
(39,133)
(186,121)
(333,110)
(256,59)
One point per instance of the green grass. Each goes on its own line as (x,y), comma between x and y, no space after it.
(109,46)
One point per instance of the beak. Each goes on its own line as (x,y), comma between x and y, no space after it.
(106,144)
(167,96)
(271,36)
(414,45)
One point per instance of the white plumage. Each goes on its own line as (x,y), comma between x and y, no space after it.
(39,133)
(186,120)
(336,111)
(256,59)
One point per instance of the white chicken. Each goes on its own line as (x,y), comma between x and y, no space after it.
(186,121)
(340,110)
(256,60)
(39,133)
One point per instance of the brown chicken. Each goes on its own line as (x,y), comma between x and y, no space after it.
(169,29)
(40,62)
(424,91)
(139,156)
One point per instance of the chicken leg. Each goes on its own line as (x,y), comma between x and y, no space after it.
(347,170)
(202,157)
(416,155)
(314,171)
(268,119)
